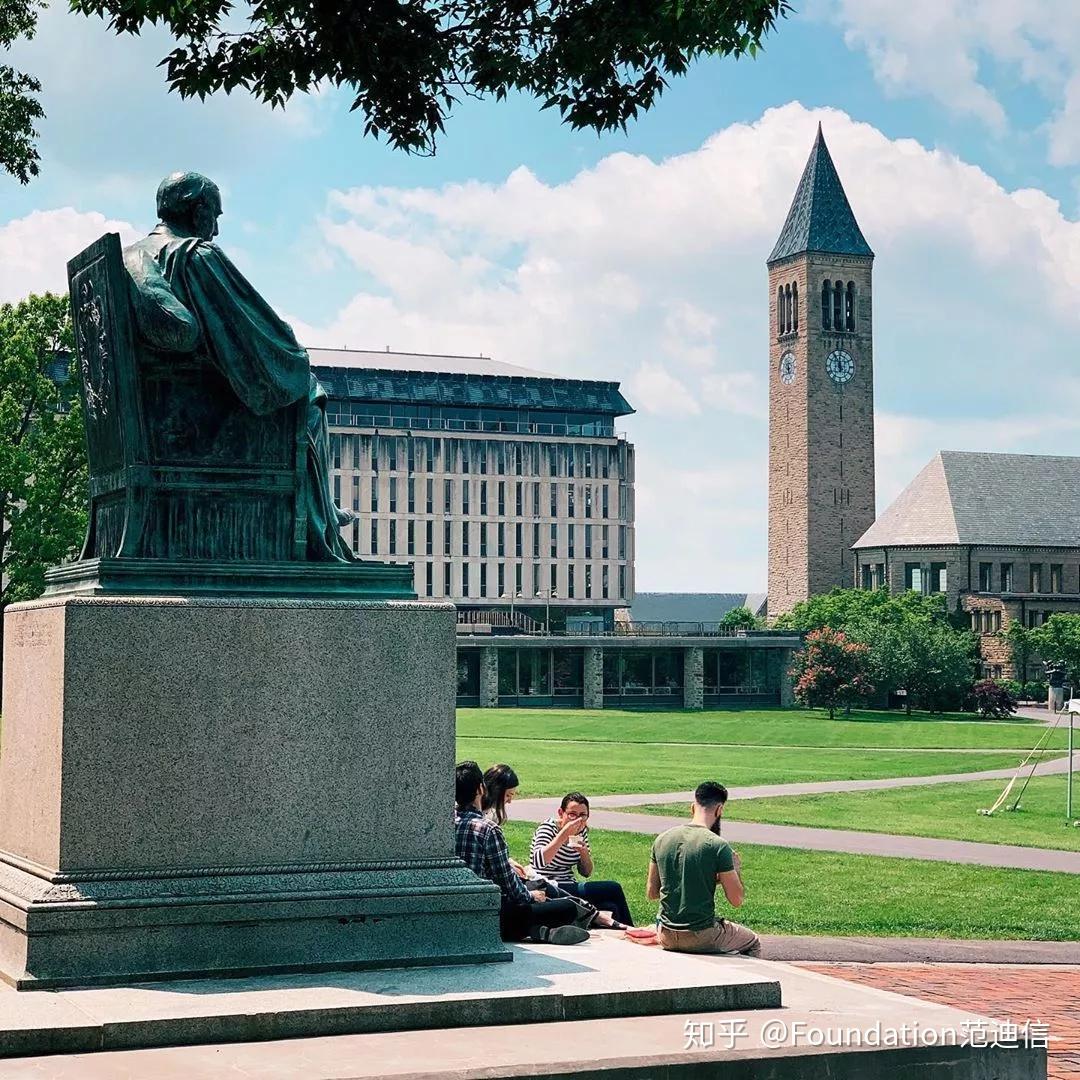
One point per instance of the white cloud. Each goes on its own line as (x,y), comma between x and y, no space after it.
(653,273)
(954,53)
(34,250)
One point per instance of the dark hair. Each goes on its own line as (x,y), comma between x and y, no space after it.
(498,780)
(467,781)
(710,793)
(573,796)
(179,193)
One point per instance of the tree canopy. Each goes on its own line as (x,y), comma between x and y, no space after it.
(831,671)
(406,63)
(42,447)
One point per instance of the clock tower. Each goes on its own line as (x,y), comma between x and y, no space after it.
(821,390)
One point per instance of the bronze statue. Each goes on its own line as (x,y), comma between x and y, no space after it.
(189,298)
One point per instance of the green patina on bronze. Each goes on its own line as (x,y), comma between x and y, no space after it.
(206,429)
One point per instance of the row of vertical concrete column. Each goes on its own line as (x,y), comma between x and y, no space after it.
(593,677)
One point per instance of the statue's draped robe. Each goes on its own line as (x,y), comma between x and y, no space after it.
(189,297)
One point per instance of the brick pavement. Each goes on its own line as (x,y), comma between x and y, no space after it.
(1014,992)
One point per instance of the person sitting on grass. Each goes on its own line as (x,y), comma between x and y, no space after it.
(686,865)
(523,913)
(560,846)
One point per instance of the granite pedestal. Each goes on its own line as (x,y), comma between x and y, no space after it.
(230,786)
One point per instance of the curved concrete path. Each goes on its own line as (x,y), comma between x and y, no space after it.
(858,843)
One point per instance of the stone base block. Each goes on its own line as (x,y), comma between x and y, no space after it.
(196,787)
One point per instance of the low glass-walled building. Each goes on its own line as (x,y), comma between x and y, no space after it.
(597,670)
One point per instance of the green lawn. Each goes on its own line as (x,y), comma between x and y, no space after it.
(755,727)
(604,768)
(810,892)
(948,811)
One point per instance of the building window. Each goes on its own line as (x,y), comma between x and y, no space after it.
(569,500)
(412,492)
(411,538)
(393,536)
(393,494)
(570,581)
(502,498)
(465,457)
(554,502)
(483,498)
(374,537)
(536,579)
(867,576)
(1007,577)
(553,461)
(622,583)
(483,539)
(604,542)
(604,501)
(483,579)
(913,577)
(622,544)
(374,453)
(429,586)
(605,582)
(588,500)
(481,455)
(588,541)
(517,579)
(374,494)
(536,499)
(536,542)
(502,578)
(780,311)
(571,452)
(519,547)
(393,454)
(569,541)
(519,499)
(554,579)
(997,627)
(795,307)
(588,581)
(849,306)
(446,579)
(464,538)
(464,496)
(465,579)
(939,577)
(826,305)
(411,454)
(446,538)
(554,540)
(448,496)
(430,496)
(587,460)
(838,305)
(429,548)
(1055,577)
(1036,577)
(986,577)
(502,539)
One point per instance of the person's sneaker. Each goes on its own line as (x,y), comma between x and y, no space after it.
(561,935)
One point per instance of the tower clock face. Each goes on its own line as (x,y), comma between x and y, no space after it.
(840,366)
(787,367)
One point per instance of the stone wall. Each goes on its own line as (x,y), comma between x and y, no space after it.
(693,678)
(593,674)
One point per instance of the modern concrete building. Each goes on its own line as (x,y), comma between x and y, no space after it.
(692,669)
(510,490)
(997,534)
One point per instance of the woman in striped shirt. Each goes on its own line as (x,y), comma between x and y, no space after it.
(561,845)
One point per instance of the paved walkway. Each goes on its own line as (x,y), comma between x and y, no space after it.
(906,950)
(857,843)
(1016,993)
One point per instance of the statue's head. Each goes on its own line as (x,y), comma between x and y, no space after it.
(190,203)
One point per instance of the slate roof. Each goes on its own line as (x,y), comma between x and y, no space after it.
(691,607)
(1021,500)
(820,218)
(465,389)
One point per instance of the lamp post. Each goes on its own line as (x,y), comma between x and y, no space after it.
(547,609)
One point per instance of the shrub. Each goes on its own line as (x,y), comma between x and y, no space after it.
(993,700)
(1035,691)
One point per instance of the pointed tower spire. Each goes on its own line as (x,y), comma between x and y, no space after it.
(820,218)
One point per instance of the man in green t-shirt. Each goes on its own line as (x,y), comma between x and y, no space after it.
(686,865)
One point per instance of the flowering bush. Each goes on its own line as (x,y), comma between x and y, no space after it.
(831,671)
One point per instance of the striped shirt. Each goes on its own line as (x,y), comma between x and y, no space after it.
(565,860)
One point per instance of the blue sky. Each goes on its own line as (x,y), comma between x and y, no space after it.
(640,257)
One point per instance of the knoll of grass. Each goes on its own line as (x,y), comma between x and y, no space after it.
(602,768)
(818,892)
(947,811)
(756,727)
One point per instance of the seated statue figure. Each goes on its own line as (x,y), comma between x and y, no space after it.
(188,296)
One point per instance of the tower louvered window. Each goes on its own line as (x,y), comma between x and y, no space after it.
(826,305)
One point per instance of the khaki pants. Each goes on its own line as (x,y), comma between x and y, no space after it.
(723,936)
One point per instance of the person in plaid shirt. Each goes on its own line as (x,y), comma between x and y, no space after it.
(480,845)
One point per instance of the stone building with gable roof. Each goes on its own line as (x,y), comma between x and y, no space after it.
(997,534)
